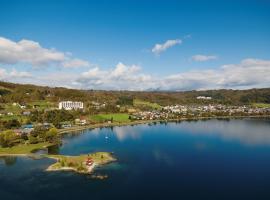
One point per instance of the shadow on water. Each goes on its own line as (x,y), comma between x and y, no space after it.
(9,160)
(55,149)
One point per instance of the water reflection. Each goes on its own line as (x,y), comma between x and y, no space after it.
(54,149)
(127,132)
(162,156)
(248,131)
(8,160)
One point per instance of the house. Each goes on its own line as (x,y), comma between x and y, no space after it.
(204,97)
(89,162)
(80,121)
(46,125)
(36,106)
(22,106)
(26,113)
(18,131)
(66,124)
(70,105)
(27,128)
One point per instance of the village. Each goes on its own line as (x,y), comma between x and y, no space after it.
(125,114)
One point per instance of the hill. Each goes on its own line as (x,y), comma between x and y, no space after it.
(21,93)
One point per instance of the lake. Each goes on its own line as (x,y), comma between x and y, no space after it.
(211,159)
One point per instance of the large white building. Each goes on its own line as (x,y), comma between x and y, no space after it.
(70,105)
(204,97)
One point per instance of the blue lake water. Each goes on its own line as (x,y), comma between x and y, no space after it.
(213,159)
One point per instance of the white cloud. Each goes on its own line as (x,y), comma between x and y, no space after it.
(13,74)
(120,77)
(158,48)
(31,52)
(73,63)
(249,73)
(202,58)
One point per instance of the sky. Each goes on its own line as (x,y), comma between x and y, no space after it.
(136,44)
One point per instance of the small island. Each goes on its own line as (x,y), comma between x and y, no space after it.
(83,164)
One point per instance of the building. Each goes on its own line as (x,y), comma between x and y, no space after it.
(204,97)
(70,105)
(80,121)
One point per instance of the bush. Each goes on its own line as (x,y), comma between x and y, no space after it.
(14,123)
(9,138)
(52,135)
(33,140)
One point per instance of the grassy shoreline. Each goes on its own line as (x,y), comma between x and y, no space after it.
(24,149)
(78,163)
(138,122)
(28,149)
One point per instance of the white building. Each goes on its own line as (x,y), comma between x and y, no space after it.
(203,97)
(70,105)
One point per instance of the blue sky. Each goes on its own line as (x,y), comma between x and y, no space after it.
(114,42)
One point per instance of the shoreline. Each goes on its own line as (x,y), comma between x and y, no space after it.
(29,152)
(78,163)
(138,122)
(72,163)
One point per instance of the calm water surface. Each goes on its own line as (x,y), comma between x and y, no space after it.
(214,159)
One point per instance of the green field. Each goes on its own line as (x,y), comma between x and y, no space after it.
(117,117)
(8,107)
(24,148)
(42,104)
(20,118)
(17,110)
(139,103)
(261,105)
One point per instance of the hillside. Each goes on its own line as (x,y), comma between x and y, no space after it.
(11,92)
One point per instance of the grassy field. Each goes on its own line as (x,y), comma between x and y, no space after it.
(24,149)
(15,109)
(77,163)
(261,105)
(139,103)
(117,117)
(42,104)
(98,157)
(20,118)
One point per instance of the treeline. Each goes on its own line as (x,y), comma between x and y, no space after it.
(11,92)
(53,116)
(40,134)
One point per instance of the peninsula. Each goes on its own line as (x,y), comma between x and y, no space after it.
(83,164)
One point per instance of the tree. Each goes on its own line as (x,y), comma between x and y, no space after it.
(40,132)
(33,140)
(8,138)
(52,135)
(14,123)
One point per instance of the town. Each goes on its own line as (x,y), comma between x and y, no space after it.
(33,117)
(34,123)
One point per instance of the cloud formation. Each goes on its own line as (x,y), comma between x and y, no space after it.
(159,48)
(13,74)
(31,52)
(249,73)
(202,58)
(120,77)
